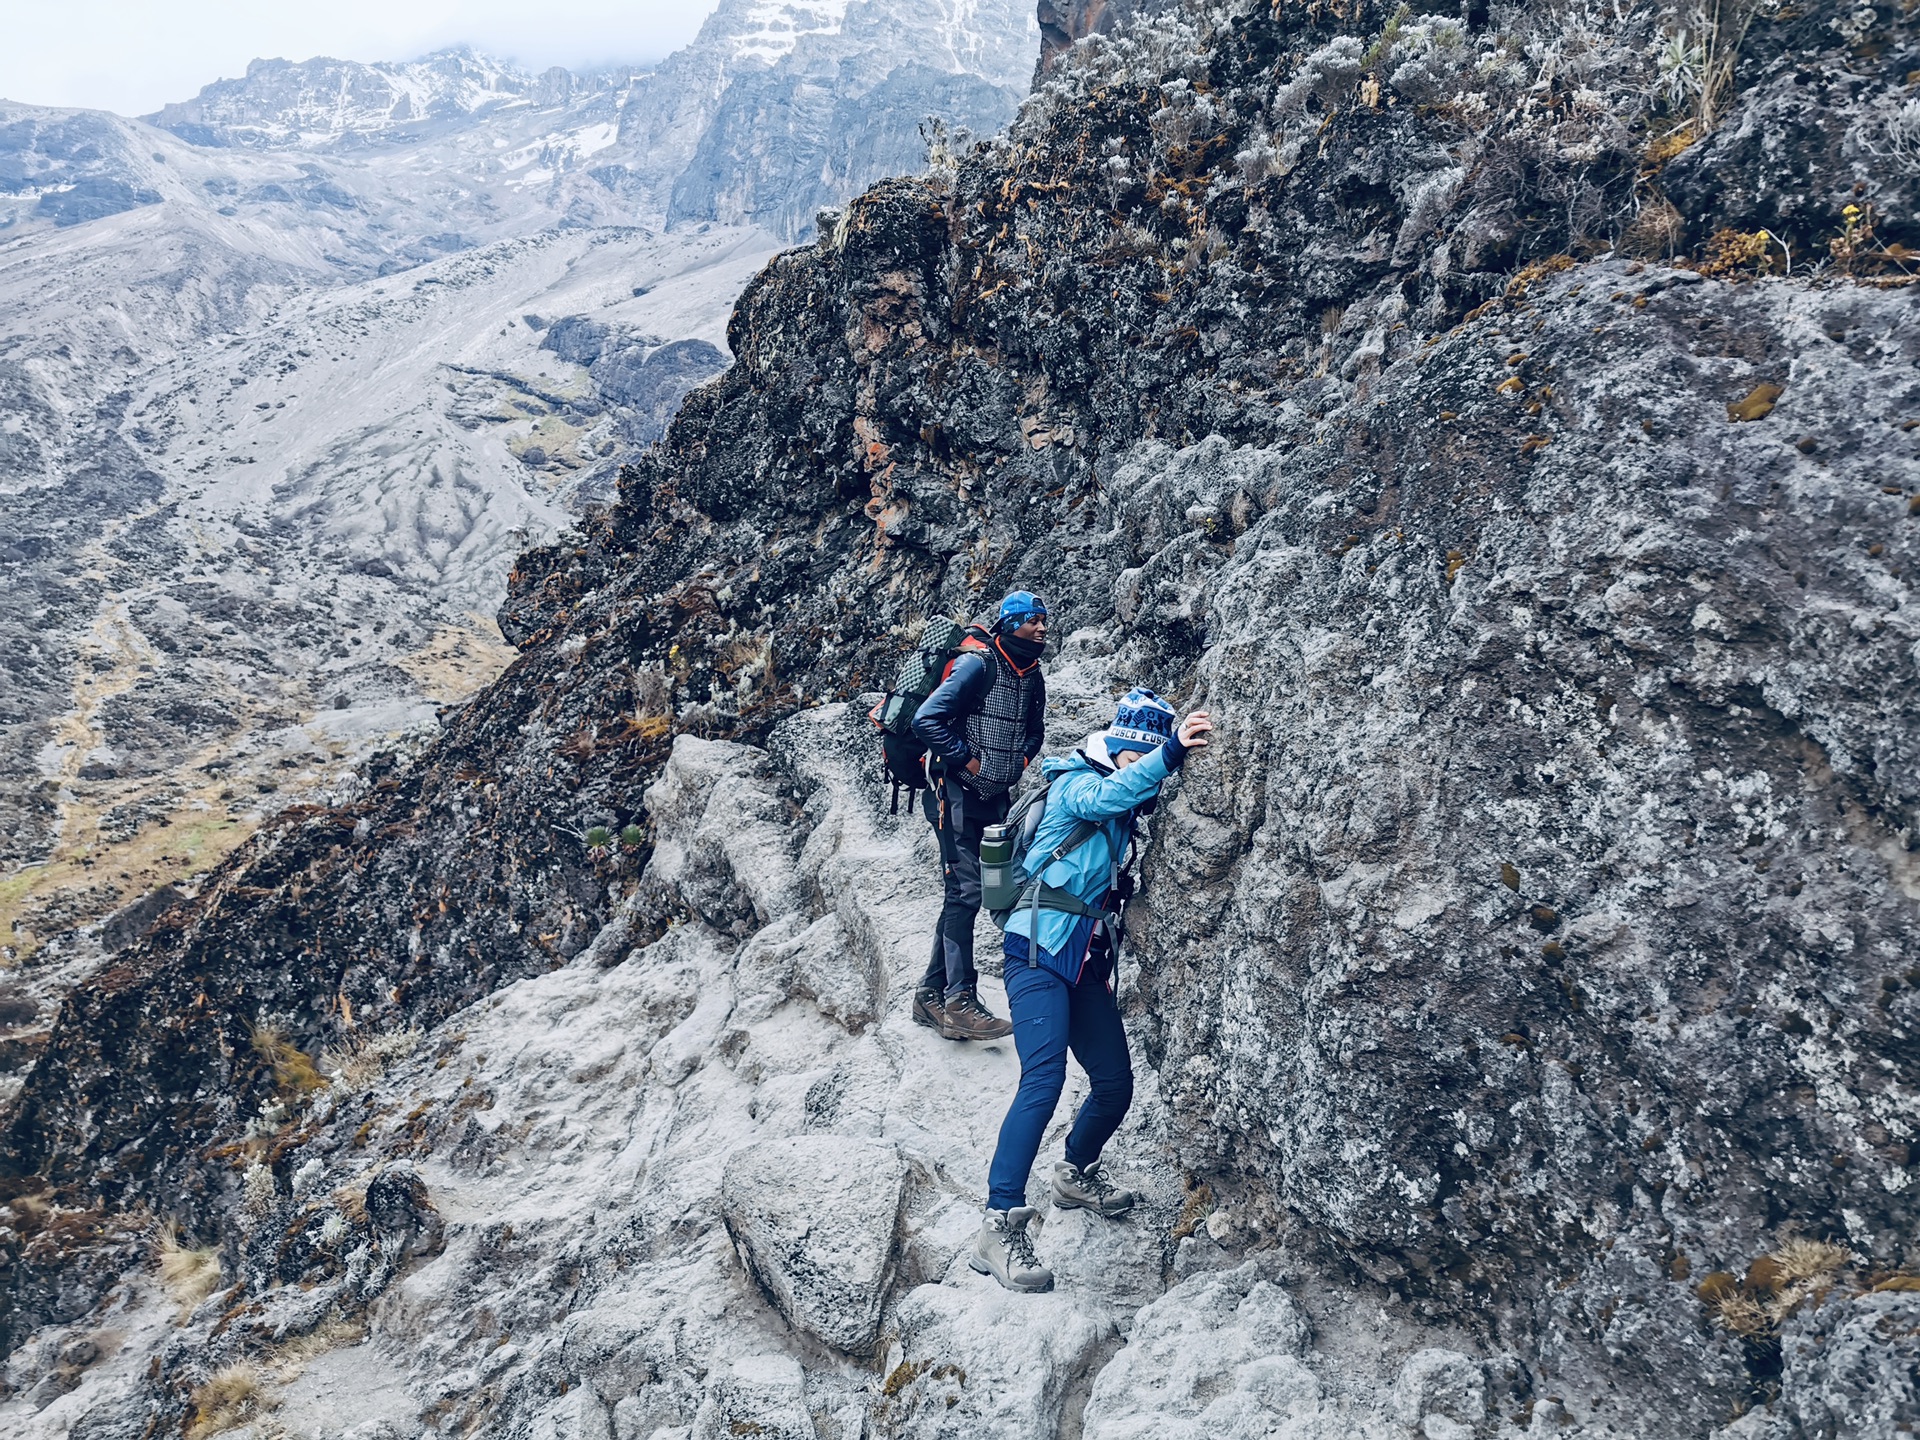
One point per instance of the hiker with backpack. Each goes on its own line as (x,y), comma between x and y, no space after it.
(981,727)
(1058,877)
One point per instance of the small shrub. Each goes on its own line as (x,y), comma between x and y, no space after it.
(258,1190)
(1855,238)
(230,1397)
(293,1069)
(598,839)
(364,1058)
(188,1274)
(1740,252)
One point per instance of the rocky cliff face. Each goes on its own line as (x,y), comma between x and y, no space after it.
(1508,430)
(842,103)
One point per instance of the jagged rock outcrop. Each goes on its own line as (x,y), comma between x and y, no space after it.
(1526,962)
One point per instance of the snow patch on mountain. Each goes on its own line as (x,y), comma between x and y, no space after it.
(772,28)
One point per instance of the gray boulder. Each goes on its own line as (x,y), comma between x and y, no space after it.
(813,1218)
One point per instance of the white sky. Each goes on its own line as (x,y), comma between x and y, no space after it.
(133,56)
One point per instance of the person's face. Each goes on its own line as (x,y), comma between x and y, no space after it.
(1126,758)
(1034,629)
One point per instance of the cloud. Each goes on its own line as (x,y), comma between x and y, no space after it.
(133,56)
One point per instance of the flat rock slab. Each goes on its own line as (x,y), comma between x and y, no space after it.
(814,1219)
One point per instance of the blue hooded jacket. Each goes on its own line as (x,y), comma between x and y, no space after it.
(1080,791)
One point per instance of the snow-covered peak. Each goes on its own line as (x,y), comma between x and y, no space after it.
(324,103)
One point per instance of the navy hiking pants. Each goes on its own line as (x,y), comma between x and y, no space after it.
(1051,1017)
(960,822)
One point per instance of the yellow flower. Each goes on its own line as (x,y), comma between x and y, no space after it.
(1851,213)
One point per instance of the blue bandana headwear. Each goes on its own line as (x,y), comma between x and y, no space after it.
(1143,721)
(1018,608)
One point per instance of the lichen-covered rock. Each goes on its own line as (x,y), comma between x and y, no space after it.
(815,1219)
(1851,1365)
(760,1395)
(1440,1393)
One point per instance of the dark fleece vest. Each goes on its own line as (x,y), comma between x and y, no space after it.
(997,732)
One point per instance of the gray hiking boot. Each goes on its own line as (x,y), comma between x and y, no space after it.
(927,1009)
(963,1017)
(1089,1189)
(1004,1250)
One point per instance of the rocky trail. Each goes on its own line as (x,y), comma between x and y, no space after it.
(1516,449)
(733,1141)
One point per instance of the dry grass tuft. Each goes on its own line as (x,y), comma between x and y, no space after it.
(1776,1284)
(1741,1314)
(1799,1262)
(1657,230)
(230,1397)
(1194,1213)
(293,1069)
(364,1058)
(188,1274)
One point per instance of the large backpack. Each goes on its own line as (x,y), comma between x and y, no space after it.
(903,758)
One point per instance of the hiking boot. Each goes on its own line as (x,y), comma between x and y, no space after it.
(1089,1189)
(963,1017)
(927,1009)
(1004,1250)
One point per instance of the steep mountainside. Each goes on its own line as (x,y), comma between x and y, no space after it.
(1508,427)
(282,399)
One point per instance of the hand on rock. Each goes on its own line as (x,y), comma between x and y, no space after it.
(1193,730)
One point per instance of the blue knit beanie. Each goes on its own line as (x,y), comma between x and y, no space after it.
(1018,608)
(1143,721)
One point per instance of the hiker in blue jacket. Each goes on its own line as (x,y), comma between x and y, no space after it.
(983,726)
(1060,990)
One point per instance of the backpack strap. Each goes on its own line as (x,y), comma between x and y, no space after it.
(970,644)
(1039,895)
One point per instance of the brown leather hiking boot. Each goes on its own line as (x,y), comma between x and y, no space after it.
(964,1018)
(927,1009)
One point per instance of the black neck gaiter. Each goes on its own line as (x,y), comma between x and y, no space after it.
(1022,652)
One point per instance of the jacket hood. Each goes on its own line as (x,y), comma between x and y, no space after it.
(1055,766)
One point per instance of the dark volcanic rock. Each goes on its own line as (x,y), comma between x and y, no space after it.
(1533,944)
